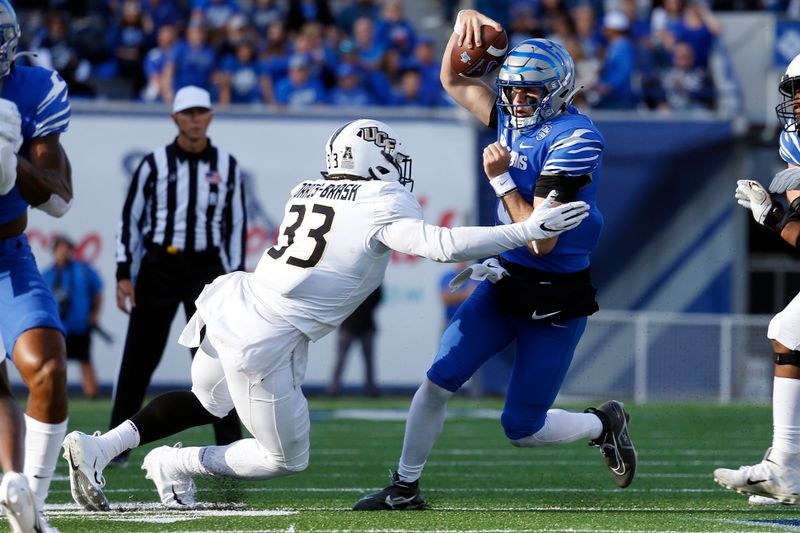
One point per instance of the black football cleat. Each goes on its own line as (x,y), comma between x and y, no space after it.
(615,442)
(399,496)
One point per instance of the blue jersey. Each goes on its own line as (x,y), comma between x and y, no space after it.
(790,148)
(571,146)
(41,97)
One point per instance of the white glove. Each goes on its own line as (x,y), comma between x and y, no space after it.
(547,221)
(753,196)
(10,124)
(489,269)
(787,179)
(8,167)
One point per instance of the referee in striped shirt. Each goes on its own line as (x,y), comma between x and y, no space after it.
(185,211)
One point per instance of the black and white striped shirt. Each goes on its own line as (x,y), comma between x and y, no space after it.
(187,202)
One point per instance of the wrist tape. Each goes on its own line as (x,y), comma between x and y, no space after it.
(503,184)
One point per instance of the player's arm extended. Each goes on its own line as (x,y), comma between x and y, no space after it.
(470,93)
(413,236)
(45,178)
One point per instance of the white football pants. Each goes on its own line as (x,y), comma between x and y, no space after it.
(273,409)
(785,326)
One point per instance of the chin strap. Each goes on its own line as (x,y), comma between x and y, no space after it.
(25,54)
(572,94)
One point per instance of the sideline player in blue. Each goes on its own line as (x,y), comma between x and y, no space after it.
(539,295)
(34,171)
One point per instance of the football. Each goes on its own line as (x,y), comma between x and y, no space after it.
(477,61)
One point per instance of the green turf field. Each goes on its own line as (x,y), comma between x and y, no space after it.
(474,480)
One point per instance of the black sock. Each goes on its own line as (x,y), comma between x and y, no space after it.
(170,413)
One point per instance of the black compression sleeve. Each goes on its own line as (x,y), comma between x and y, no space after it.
(169,414)
(567,186)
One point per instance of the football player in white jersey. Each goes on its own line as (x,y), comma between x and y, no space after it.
(335,244)
(776,479)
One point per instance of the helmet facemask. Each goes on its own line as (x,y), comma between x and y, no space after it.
(9,37)
(789,108)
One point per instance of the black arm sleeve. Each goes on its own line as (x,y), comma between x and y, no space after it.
(567,186)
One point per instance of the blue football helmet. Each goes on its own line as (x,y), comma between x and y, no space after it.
(9,33)
(535,64)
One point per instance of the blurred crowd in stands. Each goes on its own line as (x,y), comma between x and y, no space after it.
(630,54)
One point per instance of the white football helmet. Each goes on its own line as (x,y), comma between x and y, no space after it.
(535,64)
(789,85)
(9,37)
(367,149)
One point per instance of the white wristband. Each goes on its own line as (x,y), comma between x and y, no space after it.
(503,184)
(458,27)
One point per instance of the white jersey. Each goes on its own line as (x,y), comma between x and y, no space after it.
(334,246)
(327,259)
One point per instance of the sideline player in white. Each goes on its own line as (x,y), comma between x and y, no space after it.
(34,171)
(336,241)
(776,479)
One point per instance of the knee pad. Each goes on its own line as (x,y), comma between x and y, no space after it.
(792,358)
(208,384)
(207,400)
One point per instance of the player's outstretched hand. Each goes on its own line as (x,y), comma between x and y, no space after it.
(468,27)
(787,179)
(547,221)
(10,124)
(753,196)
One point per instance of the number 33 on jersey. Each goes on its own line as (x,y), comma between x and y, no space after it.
(326,254)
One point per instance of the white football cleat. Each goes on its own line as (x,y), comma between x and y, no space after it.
(175,488)
(86,464)
(771,478)
(19,505)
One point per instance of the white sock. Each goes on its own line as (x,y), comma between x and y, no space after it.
(423,426)
(561,427)
(243,459)
(42,444)
(115,441)
(786,415)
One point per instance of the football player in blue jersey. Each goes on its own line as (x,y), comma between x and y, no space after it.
(34,171)
(776,479)
(539,295)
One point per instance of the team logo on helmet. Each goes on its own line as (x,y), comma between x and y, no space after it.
(380,138)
